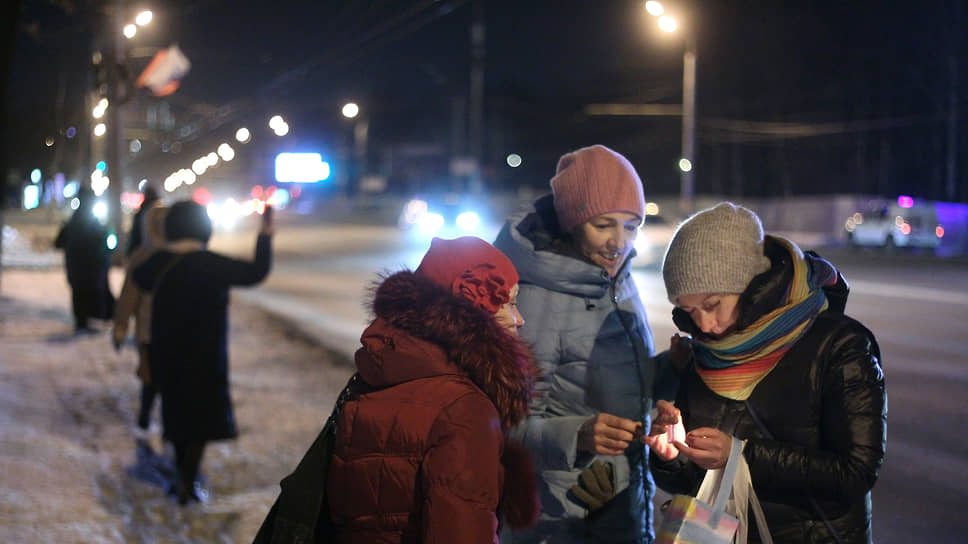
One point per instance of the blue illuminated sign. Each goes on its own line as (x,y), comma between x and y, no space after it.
(301,168)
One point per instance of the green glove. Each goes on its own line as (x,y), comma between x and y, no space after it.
(594,487)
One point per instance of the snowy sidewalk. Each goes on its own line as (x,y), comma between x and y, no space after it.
(67,406)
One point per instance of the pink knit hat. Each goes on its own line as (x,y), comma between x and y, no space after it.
(595,180)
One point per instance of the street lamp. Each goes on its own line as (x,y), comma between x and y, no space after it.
(669,23)
(361,129)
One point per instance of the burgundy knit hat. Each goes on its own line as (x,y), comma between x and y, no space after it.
(471,268)
(595,180)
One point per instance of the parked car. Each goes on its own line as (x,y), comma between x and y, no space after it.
(906,223)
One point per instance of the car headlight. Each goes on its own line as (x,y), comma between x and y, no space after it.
(430,222)
(468,221)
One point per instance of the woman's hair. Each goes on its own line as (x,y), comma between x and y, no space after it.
(188,219)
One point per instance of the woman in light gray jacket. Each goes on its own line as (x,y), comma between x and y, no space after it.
(593,347)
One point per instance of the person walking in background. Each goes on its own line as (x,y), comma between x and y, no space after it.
(779,365)
(134,301)
(188,352)
(424,456)
(87,260)
(593,347)
(136,235)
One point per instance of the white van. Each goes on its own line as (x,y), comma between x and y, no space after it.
(905,223)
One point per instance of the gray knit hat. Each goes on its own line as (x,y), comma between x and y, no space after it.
(719,250)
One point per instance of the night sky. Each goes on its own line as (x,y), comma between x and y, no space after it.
(793,97)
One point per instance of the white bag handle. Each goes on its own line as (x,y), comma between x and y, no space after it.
(737,478)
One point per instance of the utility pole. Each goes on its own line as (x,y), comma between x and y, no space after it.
(116,96)
(688,161)
(951,164)
(477,95)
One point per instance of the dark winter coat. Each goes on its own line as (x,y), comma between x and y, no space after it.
(420,459)
(189,336)
(593,347)
(825,404)
(87,260)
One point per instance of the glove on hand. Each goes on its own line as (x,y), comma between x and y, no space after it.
(594,487)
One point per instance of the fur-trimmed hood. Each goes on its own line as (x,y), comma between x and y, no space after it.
(422,330)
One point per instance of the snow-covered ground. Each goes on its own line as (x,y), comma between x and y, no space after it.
(68,465)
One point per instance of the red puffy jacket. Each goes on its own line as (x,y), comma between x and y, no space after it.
(424,458)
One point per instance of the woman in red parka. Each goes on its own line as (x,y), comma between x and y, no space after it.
(424,457)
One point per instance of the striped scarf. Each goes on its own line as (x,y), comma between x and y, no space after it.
(734,365)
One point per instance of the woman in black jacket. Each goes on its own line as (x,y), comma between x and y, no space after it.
(776,363)
(189,333)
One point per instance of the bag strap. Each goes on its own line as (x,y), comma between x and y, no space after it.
(171,264)
(295,516)
(813,503)
(729,474)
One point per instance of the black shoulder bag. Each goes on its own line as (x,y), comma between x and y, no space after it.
(300,514)
(813,503)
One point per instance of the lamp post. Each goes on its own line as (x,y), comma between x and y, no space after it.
(687,162)
(118,93)
(361,129)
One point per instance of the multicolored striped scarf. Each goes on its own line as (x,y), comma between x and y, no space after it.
(734,365)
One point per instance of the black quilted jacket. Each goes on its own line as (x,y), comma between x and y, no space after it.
(824,403)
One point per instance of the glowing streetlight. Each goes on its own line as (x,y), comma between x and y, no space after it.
(143,18)
(350,110)
(242,135)
(130,30)
(668,24)
(654,8)
(100,129)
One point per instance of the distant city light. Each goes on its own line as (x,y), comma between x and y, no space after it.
(281,129)
(70,189)
(130,30)
(35,175)
(350,110)
(143,18)
(514,160)
(71,132)
(242,135)
(100,184)
(905,201)
(685,164)
(654,8)
(101,165)
(651,208)
(301,167)
(31,197)
(49,142)
(141,184)
(111,241)
(134,146)
(668,24)
(75,203)
(100,129)
(276,120)
(226,152)
(100,209)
